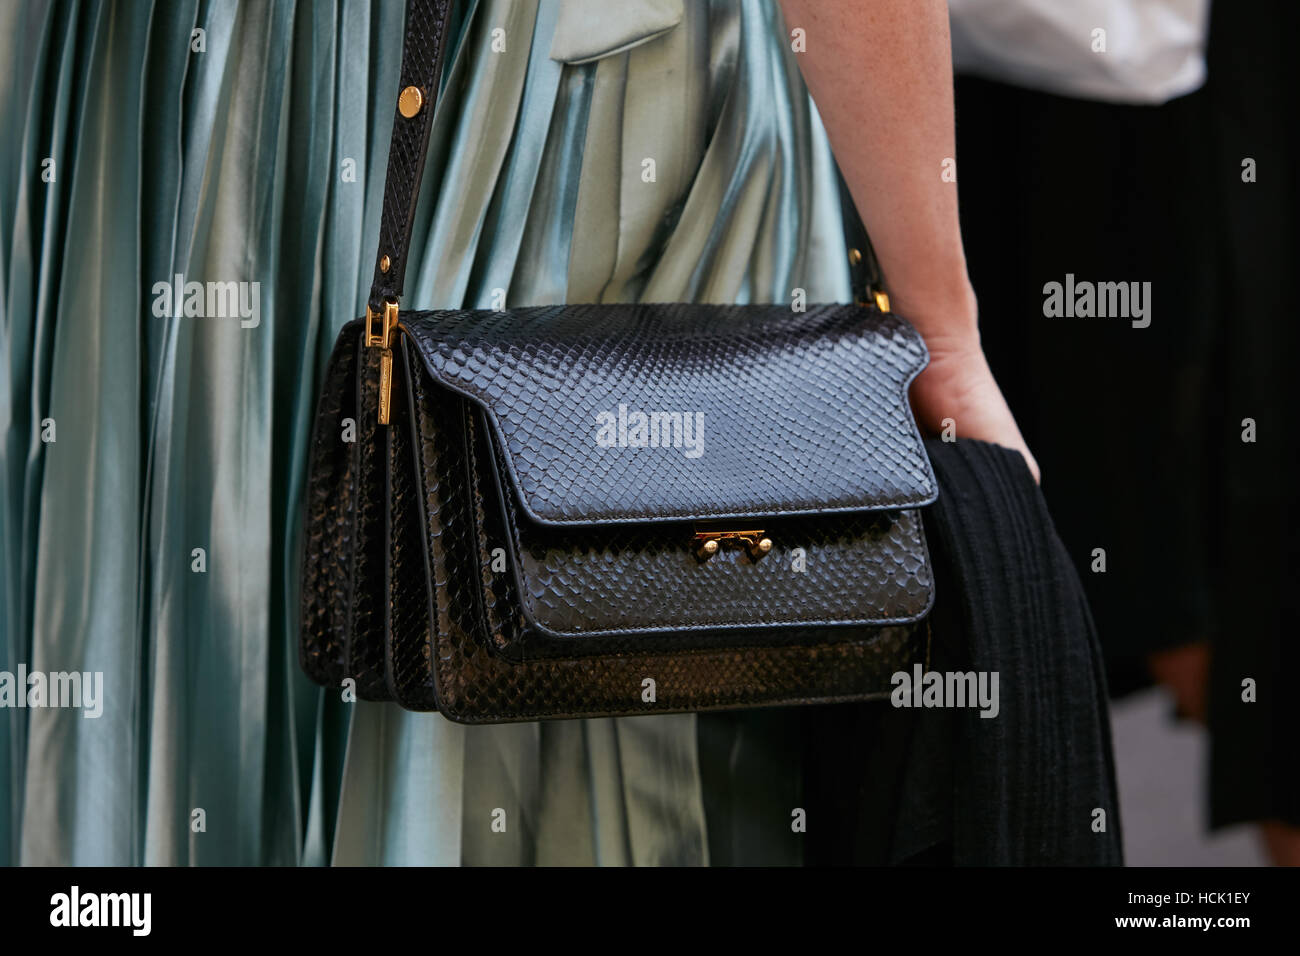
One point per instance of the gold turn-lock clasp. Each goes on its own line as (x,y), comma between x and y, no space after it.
(708,543)
(379,334)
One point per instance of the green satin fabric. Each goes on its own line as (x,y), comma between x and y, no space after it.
(232,164)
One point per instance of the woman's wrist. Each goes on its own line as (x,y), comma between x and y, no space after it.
(946,317)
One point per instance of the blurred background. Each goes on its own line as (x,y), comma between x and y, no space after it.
(1154,141)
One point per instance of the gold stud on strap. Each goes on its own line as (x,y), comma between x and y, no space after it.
(410,101)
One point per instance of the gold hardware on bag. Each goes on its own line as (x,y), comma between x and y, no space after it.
(410,101)
(879,296)
(385,264)
(879,299)
(381,339)
(385,384)
(708,543)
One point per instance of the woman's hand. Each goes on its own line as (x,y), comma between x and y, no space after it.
(958,383)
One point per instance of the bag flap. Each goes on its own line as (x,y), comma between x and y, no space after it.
(668,412)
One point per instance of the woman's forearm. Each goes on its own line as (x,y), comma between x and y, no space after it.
(880,72)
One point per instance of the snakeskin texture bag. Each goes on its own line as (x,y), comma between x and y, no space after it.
(597,510)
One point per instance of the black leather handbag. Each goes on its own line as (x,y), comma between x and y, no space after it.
(597,510)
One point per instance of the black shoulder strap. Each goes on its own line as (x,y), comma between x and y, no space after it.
(864,270)
(426,38)
(422,52)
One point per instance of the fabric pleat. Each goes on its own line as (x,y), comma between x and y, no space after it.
(649,150)
(79,806)
(1035,787)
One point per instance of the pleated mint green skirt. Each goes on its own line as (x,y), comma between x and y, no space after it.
(640,150)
